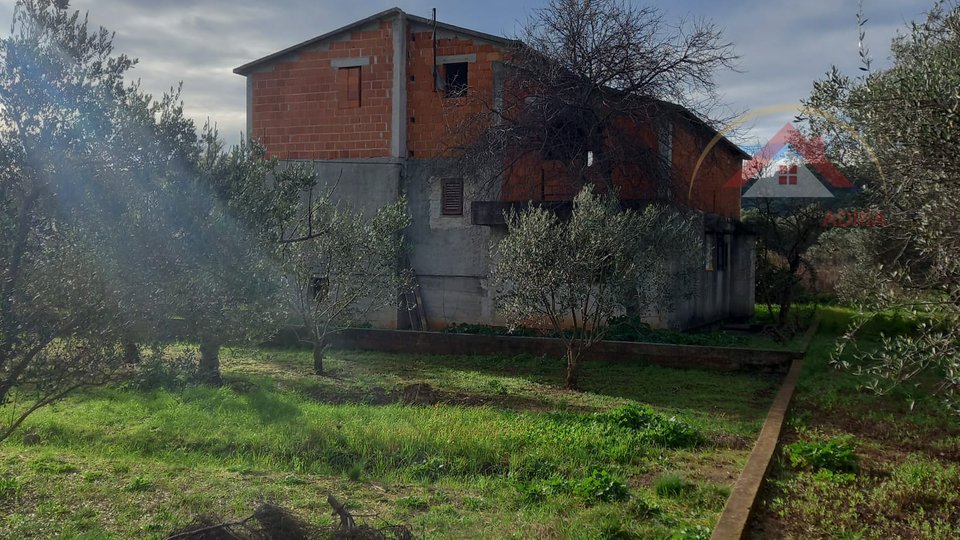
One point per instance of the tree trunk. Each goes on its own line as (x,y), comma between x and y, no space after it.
(786,302)
(210,363)
(786,295)
(131,352)
(318,349)
(573,367)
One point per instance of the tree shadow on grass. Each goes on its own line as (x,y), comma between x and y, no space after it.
(742,396)
(271,409)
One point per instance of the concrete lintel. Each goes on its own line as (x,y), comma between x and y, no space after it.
(350,62)
(457,58)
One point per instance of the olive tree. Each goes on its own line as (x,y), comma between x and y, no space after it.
(572,276)
(114,224)
(232,283)
(342,265)
(902,126)
(74,204)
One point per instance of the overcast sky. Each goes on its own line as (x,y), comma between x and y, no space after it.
(784,44)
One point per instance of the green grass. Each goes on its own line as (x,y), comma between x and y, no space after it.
(454,447)
(858,465)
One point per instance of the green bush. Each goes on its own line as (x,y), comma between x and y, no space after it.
(835,455)
(632,417)
(600,485)
(618,329)
(172,373)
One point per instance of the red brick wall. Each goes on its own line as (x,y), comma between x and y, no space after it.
(431,117)
(534,179)
(297,106)
(302,110)
(706,191)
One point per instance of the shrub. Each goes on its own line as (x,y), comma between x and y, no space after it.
(835,455)
(487,330)
(634,329)
(600,485)
(632,417)
(643,509)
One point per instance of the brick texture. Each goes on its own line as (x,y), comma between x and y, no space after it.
(433,118)
(304,108)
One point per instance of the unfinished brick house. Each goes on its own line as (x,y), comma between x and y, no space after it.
(361,104)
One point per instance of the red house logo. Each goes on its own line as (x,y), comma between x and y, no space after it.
(789,177)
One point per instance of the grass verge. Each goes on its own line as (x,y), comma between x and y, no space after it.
(856,465)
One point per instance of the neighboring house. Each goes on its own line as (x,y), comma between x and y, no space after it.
(360,104)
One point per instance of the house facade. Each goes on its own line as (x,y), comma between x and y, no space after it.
(361,105)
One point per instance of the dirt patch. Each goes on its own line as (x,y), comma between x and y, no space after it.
(731,441)
(376,395)
(888,438)
(424,394)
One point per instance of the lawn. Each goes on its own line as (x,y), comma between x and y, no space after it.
(904,478)
(453,447)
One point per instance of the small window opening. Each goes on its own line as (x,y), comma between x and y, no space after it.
(455,79)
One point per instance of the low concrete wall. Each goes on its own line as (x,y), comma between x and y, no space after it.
(674,356)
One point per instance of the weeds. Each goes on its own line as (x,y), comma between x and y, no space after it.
(600,485)
(836,455)
(654,428)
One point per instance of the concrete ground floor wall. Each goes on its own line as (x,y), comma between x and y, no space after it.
(451,257)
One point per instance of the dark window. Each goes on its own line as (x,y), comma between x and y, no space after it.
(451,197)
(348,87)
(455,79)
(722,257)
